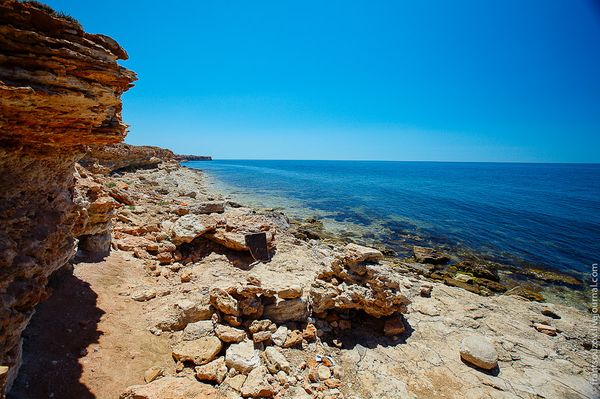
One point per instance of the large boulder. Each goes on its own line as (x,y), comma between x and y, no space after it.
(189,227)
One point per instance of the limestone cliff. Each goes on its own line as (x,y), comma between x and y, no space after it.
(107,159)
(60,90)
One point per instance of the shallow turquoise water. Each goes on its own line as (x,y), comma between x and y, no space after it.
(545,215)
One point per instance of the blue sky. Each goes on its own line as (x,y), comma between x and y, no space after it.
(510,80)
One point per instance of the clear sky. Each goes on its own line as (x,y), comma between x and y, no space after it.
(510,80)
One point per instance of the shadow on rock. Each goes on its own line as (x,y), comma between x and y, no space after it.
(495,372)
(201,247)
(55,340)
(368,332)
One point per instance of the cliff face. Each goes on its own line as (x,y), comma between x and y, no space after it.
(107,159)
(60,90)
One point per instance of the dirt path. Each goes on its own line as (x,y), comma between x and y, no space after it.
(87,341)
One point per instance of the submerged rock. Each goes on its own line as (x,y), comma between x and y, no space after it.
(429,255)
(526,293)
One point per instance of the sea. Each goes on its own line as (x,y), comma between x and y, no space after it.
(522,214)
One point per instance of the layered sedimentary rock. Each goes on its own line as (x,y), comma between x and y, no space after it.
(60,90)
(107,159)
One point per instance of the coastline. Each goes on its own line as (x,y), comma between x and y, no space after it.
(166,292)
(534,281)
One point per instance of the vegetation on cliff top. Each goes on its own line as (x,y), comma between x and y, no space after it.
(59,14)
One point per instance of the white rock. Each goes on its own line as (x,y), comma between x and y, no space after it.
(479,351)
(199,329)
(275,361)
(187,228)
(279,336)
(242,357)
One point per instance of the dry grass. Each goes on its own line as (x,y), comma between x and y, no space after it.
(59,14)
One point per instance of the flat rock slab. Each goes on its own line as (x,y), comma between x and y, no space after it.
(199,351)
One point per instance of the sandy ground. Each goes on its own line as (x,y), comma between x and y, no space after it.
(87,341)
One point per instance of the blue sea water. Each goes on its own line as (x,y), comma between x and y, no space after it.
(543,215)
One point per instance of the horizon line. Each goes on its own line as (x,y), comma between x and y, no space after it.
(393,160)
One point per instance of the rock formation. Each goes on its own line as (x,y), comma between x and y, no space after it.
(60,90)
(183,158)
(107,159)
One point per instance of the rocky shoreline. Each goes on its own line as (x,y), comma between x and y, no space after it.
(318,320)
(123,274)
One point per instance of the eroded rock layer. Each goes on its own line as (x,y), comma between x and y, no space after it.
(60,90)
(107,159)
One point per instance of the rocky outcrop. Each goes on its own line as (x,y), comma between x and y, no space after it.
(183,158)
(60,90)
(107,159)
(354,281)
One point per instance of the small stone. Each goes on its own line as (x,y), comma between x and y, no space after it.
(294,338)
(429,255)
(323,373)
(235,382)
(280,335)
(187,228)
(275,361)
(252,307)
(242,357)
(215,371)
(333,383)
(354,254)
(394,326)
(282,377)
(256,385)
(261,336)
(259,325)
(186,276)
(224,302)
(479,351)
(153,373)
(310,332)
(199,329)
(327,361)
(143,295)
(233,321)
(290,292)
(200,351)
(338,372)
(425,291)
(546,329)
(230,334)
